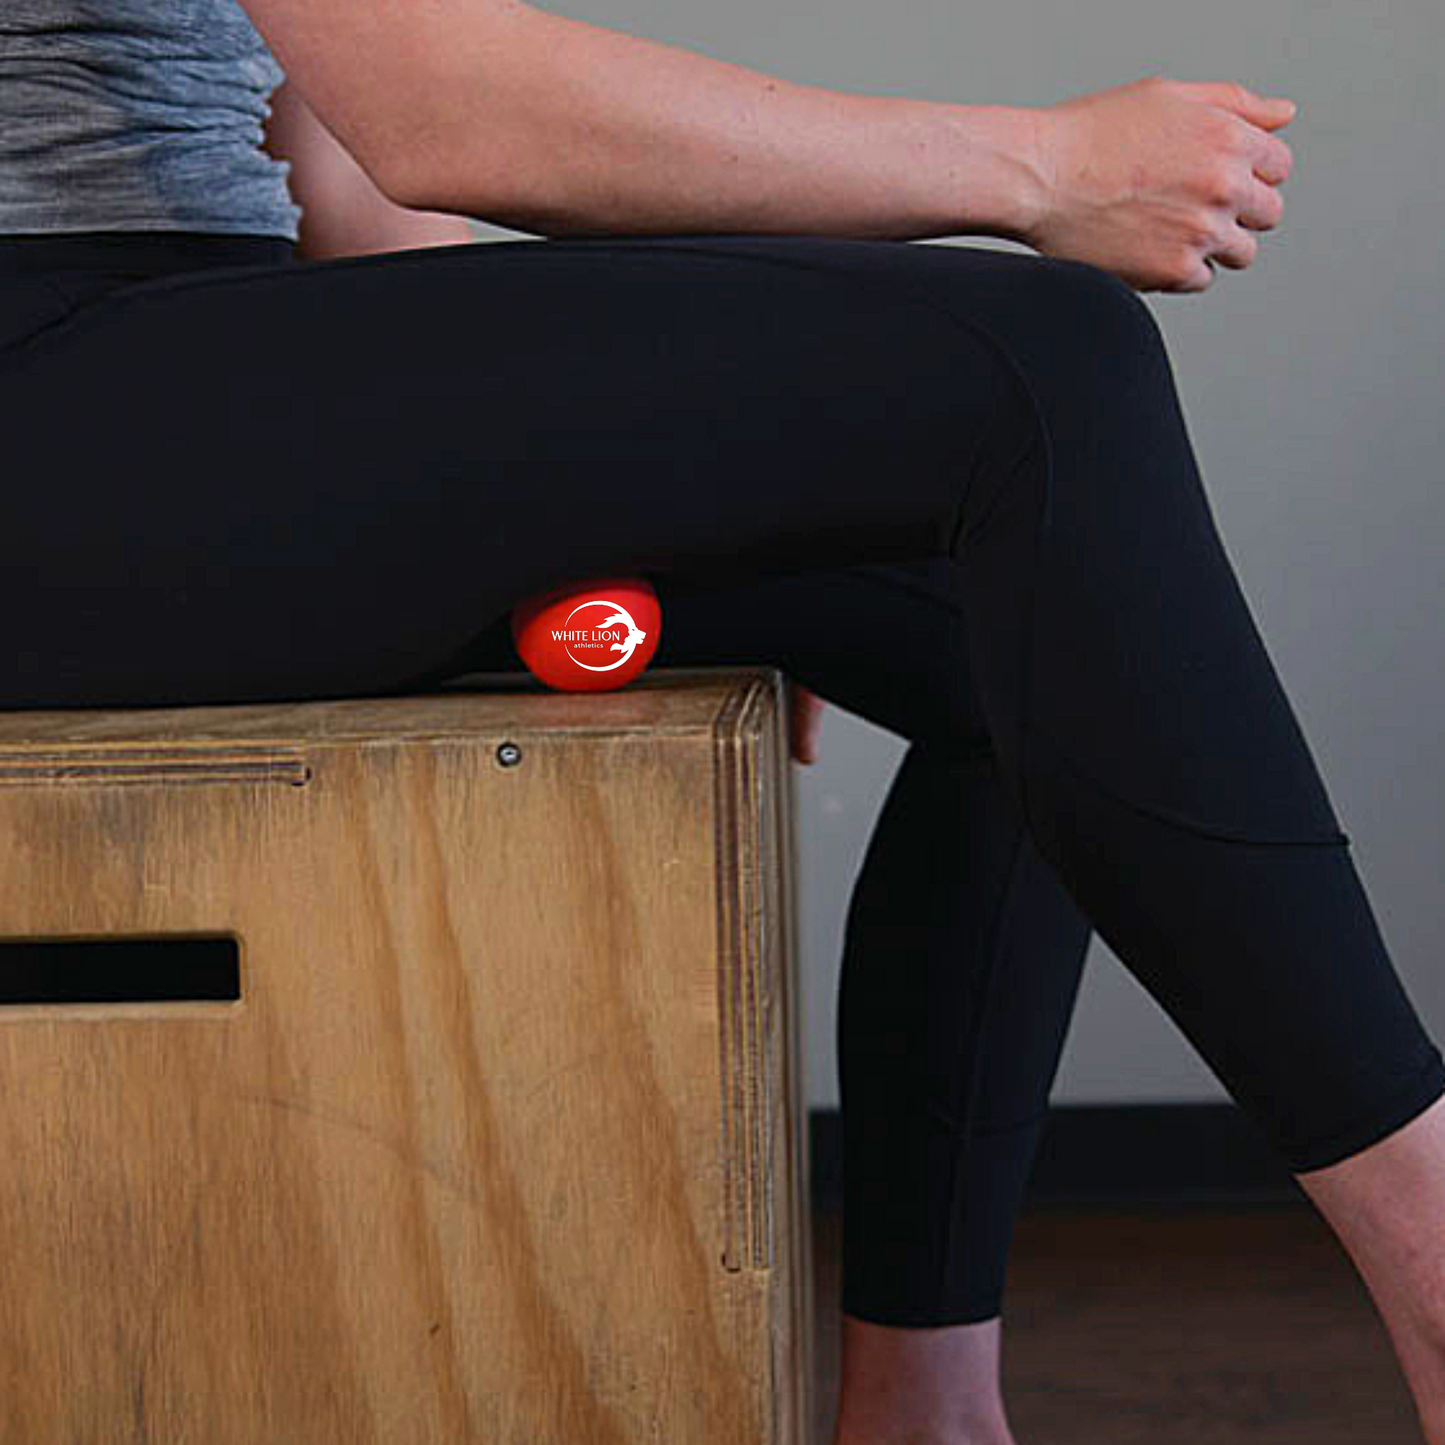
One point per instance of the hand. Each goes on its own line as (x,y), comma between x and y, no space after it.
(805,716)
(1155,179)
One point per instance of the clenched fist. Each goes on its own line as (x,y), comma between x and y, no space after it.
(1158,179)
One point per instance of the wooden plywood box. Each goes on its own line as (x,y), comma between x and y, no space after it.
(404,1070)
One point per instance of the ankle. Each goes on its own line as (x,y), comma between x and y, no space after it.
(920,1385)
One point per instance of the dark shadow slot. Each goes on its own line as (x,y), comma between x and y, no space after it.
(119,970)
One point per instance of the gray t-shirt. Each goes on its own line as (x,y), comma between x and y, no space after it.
(137,115)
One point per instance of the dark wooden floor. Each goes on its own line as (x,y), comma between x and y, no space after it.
(1198,1325)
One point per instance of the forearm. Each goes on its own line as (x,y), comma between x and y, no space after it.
(586,130)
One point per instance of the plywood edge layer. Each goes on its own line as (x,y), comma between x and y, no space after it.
(746,1068)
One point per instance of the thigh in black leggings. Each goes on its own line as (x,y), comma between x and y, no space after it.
(949,488)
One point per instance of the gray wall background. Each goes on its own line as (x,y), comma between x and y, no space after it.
(1312,386)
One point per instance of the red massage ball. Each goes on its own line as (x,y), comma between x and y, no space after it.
(589,636)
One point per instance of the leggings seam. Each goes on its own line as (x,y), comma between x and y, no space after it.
(980,523)
(990,994)
(866,570)
(1029,1123)
(1176,820)
(993,1130)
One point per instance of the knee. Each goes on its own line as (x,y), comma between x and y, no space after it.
(1084,346)
(1102,322)
(1099,368)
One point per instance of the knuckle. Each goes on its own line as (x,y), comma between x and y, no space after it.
(1235,136)
(1201,231)
(1221,185)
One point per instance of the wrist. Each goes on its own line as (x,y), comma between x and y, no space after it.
(1000,185)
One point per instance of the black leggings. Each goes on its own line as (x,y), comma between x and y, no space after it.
(950,489)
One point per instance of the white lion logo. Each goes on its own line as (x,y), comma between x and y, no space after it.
(627,647)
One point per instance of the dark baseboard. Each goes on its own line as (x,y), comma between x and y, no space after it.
(1118,1155)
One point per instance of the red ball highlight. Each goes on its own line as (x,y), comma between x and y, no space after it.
(590,636)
